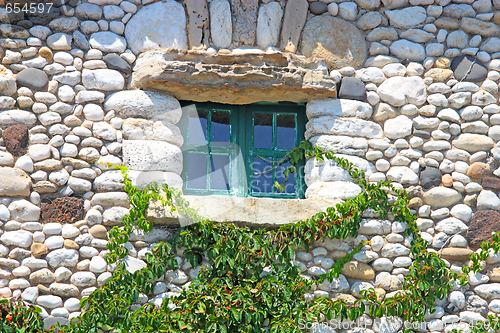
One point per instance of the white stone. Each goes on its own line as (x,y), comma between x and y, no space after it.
(402,175)
(407,18)
(398,127)
(20,238)
(103,79)
(343,126)
(404,49)
(451,226)
(399,91)
(83,279)
(49,301)
(97,265)
(488,200)
(149,105)
(107,41)
(62,258)
(169,30)
(152,155)
(269,24)
(333,190)
(338,108)
(24,211)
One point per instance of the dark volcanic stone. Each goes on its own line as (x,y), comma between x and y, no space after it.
(422,134)
(114,61)
(429,177)
(491,183)
(33,78)
(317,8)
(15,139)
(352,88)
(63,210)
(462,70)
(483,223)
(43,17)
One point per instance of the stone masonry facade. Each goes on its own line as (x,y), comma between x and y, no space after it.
(407,90)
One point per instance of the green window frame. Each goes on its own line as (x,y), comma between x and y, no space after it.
(254,137)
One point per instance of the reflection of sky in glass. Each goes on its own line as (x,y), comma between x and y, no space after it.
(220,172)
(197,169)
(263,130)
(198,127)
(285,131)
(220,128)
(262,182)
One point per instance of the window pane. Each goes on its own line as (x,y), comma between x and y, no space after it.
(263,130)
(220,172)
(220,128)
(198,120)
(262,176)
(197,171)
(285,131)
(280,178)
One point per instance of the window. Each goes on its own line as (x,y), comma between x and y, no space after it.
(236,149)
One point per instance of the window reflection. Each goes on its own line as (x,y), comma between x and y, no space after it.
(198,124)
(197,171)
(285,131)
(221,130)
(280,178)
(263,130)
(220,172)
(262,175)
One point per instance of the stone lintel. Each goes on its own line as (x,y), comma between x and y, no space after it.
(233,78)
(253,212)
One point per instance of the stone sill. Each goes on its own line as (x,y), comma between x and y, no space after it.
(253,212)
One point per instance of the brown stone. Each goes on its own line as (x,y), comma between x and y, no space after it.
(71,244)
(46,53)
(415,203)
(447,23)
(233,78)
(470,200)
(478,170)
(42,276)
(336,41)
(447,180)
(496,18)
(14,182)
(198,25)
(43,290)
(38,249)
(336,255)
(63,210)
(348,299)
(358,270)
(455,254)
(478,27)
(99,231)
(443,62)
(15,139)
(483,223)
(384,111)
(494,275)
(44,186)
(491,183)
(380,294)
(293,23)
(439,74)
(244,21)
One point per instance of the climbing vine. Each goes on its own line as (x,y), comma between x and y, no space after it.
(248,280)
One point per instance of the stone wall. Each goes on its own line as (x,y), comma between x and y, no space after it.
(418,105)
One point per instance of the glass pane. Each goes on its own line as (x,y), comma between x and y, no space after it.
(197,171)
(262,175)
(198,120)
(220,172)
(280,178)
(285,131)
(220,128)
(263,130)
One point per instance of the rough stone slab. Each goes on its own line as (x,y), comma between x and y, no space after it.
(343,126)
(483,223)
(244,13)
(337,41)
(233,79)
(152,156)
(102,79)
(293,23)
(261,212)
(198,25)
(333,190)
(341,144)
